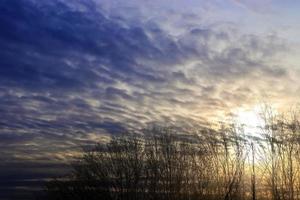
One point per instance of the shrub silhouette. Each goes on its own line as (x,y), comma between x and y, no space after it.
(170,164)
(161,164)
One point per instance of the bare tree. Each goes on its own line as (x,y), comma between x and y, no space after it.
(172,164)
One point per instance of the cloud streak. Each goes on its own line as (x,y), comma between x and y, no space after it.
(76,68)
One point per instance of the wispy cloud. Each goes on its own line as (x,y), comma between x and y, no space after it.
(258,6)
(70,69)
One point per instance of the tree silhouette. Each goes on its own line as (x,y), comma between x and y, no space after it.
(172,164)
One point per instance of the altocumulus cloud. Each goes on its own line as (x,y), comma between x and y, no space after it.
(73,71)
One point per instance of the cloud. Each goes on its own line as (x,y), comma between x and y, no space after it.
(258,6)
(73,71)
(60,57)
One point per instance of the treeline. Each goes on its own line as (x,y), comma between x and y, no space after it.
(168,164)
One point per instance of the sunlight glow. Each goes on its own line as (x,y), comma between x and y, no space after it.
(250,120)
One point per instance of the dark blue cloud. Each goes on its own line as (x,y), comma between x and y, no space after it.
(37,40)
(53,58)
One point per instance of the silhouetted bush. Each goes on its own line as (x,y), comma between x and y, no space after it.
(168,164)
(160,164)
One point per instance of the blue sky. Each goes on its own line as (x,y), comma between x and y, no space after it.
(73,72)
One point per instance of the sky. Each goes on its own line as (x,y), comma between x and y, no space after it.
(73,72)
